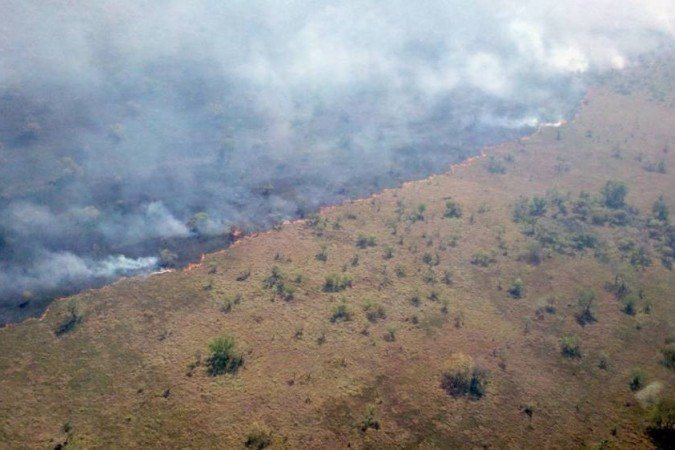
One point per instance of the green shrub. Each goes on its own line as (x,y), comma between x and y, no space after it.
(340,313)
(243,276)
(418,213)
(388,252)
(336,283)
(369,421)
(660,210)
(614,194)
(259,437)
(537,206)
(585,300)
(431,260)
(570,347)
(517,288)
(229,303)
(322,255)
(640,258)
(637,379)
(494,165)
(317,223)
(429,276)
(629,305)
(662,422)
(452,209)
(223,357)
(374,311)
(482,259)
(668,353)
(390,335)
(460,377)
(447,278)
(364,241)
(400,271)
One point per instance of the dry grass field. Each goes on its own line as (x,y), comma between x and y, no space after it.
(359,359)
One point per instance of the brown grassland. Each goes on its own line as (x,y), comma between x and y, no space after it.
(362,367)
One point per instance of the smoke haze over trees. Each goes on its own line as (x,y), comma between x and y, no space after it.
(121,120)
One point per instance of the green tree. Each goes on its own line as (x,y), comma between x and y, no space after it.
(614,194)
(660,210)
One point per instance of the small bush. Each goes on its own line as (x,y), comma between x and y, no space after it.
(447,278)
(374,311)
(629,305)
(494,165)
(534,254)
(418,213)
(363,241)
(537,206)
(322,255)
(390,335)
(517,288)
(259,437)
(570,347)
(243,276)
(668,353)
(336,283)
(340,313)
(369,421)
(388,252)
(585,300)
(614,194)
(223,358)
(229,303)
(482,259)
(637,379)
(452,210)
(461,377)
(660,210)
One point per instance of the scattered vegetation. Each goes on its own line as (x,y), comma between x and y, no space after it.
(227,304)
(277,282)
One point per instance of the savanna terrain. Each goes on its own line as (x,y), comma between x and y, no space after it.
(523,299)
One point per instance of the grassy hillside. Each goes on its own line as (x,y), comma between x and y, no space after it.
(518,300)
